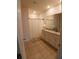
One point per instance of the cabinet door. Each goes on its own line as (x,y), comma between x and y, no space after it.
(51,38)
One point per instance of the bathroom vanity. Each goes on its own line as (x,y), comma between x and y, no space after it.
(51,37)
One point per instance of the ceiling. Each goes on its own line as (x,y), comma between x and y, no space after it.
(39,5)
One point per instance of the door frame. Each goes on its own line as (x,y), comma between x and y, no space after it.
(20,30)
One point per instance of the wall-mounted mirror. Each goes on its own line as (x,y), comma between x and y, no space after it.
(53,22)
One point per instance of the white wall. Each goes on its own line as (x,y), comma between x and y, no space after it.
(36,25)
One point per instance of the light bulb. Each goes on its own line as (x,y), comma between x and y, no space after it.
(48,6)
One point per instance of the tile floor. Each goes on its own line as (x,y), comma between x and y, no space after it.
(37,49)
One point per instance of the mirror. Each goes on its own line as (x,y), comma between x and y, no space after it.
(53,22)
